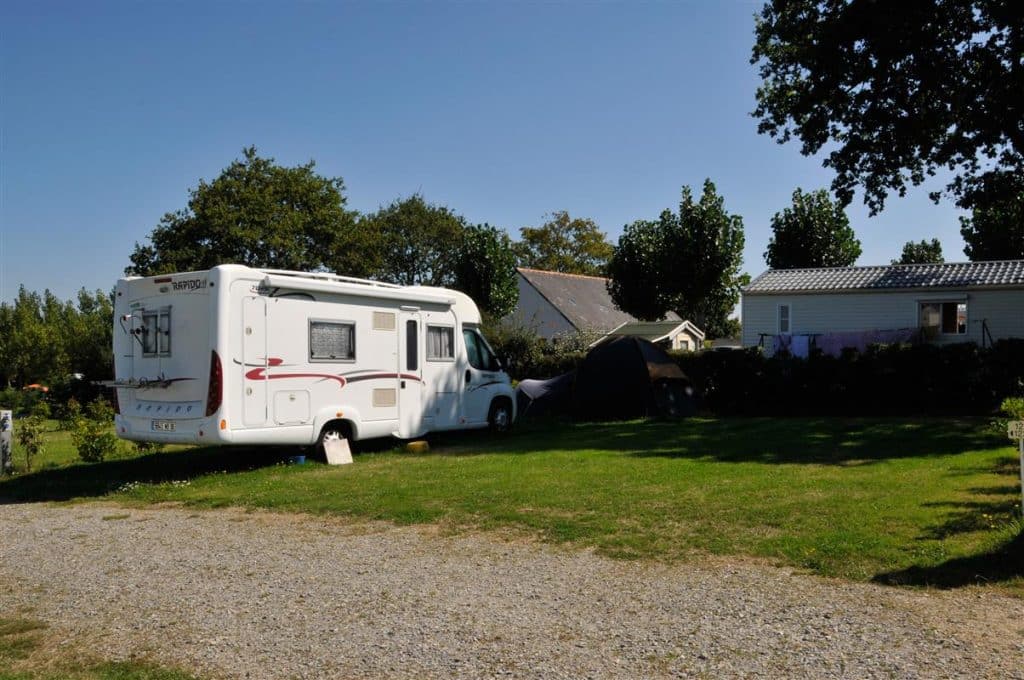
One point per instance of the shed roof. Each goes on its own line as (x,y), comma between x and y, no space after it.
(1001,273)
(654,330)
(584,300)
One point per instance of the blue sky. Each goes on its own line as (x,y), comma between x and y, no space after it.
(109,113)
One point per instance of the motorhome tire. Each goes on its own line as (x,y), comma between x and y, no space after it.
(332,431)
(500,416)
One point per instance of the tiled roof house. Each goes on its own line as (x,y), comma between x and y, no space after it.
(953,302)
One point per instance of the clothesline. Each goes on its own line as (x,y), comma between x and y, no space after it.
(833,344)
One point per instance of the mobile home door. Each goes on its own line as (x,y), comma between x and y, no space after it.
(410,376)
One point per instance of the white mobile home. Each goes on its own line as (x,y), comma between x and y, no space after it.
(838,307)
(236,355)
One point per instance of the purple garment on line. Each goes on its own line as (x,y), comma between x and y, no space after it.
(833,344)
(800,346)
(781,342)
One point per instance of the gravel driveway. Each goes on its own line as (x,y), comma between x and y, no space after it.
(235,594)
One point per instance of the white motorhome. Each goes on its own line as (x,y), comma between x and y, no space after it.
(236,355)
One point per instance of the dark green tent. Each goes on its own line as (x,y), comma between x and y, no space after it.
(629,377)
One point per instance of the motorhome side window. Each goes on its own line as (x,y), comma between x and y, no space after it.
(332,341)
(480,356)
(440,343)
(156,333)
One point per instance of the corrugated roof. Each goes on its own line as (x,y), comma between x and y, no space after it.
(584,300)
(889,277)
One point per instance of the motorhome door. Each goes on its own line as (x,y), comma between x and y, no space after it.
(410,376)
(254,361)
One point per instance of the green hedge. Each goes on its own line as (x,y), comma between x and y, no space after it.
(957,379)
(884,380)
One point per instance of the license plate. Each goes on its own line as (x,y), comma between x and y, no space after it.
(163,425)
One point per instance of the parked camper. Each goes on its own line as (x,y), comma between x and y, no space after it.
(236,355)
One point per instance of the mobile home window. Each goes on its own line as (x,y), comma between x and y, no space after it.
(440,343)
(332,341)
(784,319)
(156,333)
(948,318)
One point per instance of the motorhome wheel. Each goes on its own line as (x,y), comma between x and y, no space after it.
(500,417)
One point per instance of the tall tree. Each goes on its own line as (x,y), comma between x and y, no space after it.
(812,232)
(896,90)
(688,263)
(90,329)
(45,339)
(35,338)
(921,252)
(995,229)
(572,245)
(485,269)
(260,214)
(419,241)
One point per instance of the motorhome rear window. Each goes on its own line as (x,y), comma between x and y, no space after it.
(156,333)
(440,343)
(332,341)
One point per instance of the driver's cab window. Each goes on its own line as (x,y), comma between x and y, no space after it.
(479,354)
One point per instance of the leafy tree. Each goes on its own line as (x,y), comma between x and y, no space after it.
(687,263)
(90,329)
(260,214)
(572,245)
(995,229)
(34,338)
(922,252)
(813,232)
(485,269)
(44,339)
(896,90)
(418,241)
(642,277)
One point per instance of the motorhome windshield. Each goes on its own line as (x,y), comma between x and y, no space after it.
(481,357)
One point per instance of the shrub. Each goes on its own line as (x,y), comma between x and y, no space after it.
(10,398)
(41,410)
(68,414)
(517,346)
(148,447)
(1013,407)
(527,355)
(30,438)
(960,379)
(92,434)
(882,380)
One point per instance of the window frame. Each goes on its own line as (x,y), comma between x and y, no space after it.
(412,346)
(483,347)
(941,303)
(160,315)
(330,360)
(426,340)
(789,318)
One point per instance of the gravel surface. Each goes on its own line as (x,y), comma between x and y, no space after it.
(253,595)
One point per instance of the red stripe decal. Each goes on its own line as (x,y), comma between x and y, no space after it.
(259,374)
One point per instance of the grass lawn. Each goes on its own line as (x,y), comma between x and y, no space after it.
(25,655)
(926,501)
